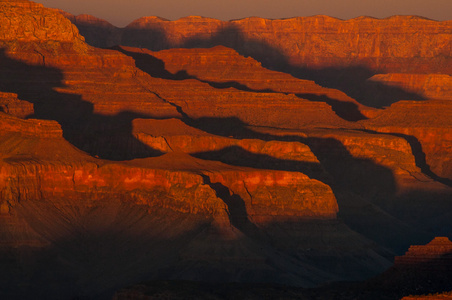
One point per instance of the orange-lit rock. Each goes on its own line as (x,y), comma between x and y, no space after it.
(437,296)
(99,32)
(223,67)
(429,86)
(312,42)
(9,104)
(173,135)
(51,26)
(428,127)
(240,174)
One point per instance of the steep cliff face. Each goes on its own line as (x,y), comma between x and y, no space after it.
(309,42)
(202,158)
(53,196)
(340,54)
(23,27)
(223,67)
(98,32)
(427,126)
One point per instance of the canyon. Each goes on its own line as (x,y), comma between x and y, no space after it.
(294,153)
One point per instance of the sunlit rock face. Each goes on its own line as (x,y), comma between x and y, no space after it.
(340,54)
(428,127)
(319,41)
(123,165)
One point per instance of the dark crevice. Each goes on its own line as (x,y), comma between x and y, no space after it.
(346,110)
(419,156)
(237,213)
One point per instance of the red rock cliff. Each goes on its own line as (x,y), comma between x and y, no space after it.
(314,42)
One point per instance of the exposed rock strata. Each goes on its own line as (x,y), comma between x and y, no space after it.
(436,255)
(317,41)
(124,161)
(429,86)
(223,67)
(427,125)
(10,104)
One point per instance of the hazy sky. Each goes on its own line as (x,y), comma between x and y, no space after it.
(122,12)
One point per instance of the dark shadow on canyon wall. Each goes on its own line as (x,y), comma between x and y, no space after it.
(237,213)
(406,284)
(350,177)
(107,137)
(423,277)
(351,79)
(388,218)
(419,156)
(346,110)
(90,252)
(99,35)
(156,68)
(153,39)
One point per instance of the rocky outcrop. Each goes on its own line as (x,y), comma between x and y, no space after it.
(436,255)
(424,269)
(427,126)
(66,172)
(41,25)
(98,32)
(10,104)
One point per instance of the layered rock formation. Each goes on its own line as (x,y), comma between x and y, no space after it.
(336,53)
(223,67)
(10,105)
(97,31)
(124,165)
(318,41)
(436,255)
(429,86)
(427,125)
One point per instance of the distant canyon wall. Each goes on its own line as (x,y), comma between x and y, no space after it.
(396,44)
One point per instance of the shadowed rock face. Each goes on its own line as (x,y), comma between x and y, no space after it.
(335,53)
(318,41)
(429,86)
(118,166)
(423,272)
(438,250)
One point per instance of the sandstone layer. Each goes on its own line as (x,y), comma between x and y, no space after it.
(317,41)
(123,165)
(341,54)
(427,125)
